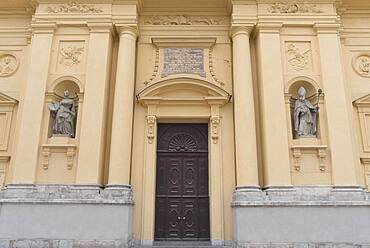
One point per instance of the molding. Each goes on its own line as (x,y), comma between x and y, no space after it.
(100,27)
(326,28)
(156,67)
(269,27)
(199,42)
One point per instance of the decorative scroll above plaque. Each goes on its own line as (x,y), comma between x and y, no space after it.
(183,60)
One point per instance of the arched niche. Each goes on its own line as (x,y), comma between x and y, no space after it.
(56,94)
(313,95)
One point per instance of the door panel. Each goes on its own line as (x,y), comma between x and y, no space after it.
(182,201)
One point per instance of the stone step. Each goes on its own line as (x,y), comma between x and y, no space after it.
(186,244)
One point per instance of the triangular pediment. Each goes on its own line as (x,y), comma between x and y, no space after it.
(7,99)
(362,100)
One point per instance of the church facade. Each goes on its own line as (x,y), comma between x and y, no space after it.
(230,123)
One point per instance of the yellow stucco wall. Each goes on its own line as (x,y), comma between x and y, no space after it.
(116,79)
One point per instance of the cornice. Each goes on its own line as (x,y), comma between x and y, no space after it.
(269,27)
(43,27)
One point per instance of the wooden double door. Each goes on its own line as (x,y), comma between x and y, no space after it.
(182,198)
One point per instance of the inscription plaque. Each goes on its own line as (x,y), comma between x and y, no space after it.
(183,60)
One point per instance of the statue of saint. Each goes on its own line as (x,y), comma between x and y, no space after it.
(304,116)
(64,114)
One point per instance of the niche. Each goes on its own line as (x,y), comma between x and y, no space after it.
(304,100)
(63,107)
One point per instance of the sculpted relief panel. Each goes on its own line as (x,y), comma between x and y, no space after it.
(70,56)
(298,56)
(73,7)
(293,7)
(183,20)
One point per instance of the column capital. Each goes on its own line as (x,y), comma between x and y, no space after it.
(326,28)
(269,27)
(123,29)
(241,30)
(100,27)
(43,28)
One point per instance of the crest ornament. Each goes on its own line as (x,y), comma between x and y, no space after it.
(297,59)
(361,65)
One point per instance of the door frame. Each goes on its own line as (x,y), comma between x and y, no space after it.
(197,109)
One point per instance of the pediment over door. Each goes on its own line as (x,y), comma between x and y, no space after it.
(183,90)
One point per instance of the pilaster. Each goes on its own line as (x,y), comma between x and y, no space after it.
(29,132)
(93,121)
(338,112)
(273,117)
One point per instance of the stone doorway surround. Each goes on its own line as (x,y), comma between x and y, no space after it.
(164,102)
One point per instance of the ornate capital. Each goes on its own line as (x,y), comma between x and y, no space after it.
(241,30)
(123,29)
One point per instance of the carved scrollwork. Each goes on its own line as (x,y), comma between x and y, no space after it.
(183,20)
(182,142)
(151,119)
(215,123)
(293,7)
(361,64)
(73,7)
(8,65)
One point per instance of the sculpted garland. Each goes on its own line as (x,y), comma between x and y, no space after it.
(73,7)
(288,8)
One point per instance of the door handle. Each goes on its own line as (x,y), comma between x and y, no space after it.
(178,217)
(184,218)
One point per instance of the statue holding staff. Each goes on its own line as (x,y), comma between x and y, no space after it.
(64,115)
(305,116)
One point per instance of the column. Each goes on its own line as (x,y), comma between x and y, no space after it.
(244,115)
(32,108)
(337,109)
(93,121)
(274,125)
(123,108)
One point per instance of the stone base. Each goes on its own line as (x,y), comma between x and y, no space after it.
(65,216)
(302,217)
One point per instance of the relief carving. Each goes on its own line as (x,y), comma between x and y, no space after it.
(183,20)
(298,59)
(182,142)
(71,55)
(151,119)
(361,65)
(288,8)
(215,123)
(73,7)
(8,65)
